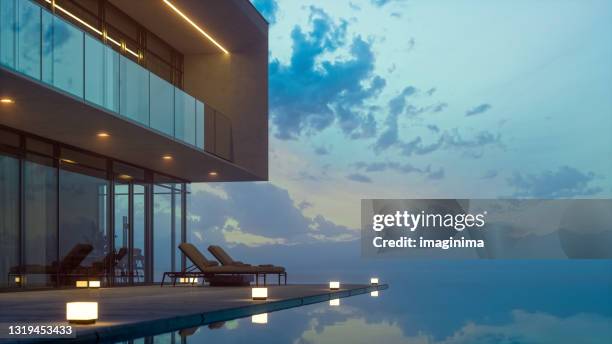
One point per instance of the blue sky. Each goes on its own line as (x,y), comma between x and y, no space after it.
(419,99)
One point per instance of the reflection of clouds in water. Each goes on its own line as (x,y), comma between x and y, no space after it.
(524,327)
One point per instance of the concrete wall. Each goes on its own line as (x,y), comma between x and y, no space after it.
(237,86)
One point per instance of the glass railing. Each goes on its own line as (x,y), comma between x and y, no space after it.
(45,47)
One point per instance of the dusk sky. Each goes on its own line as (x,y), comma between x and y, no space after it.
(420,99)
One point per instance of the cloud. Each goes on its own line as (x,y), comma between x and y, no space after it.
(522,327)
(360,178)
(322,150)
(490,174)
(373,167)
(564,182)
(267,8)
(312,93)
(397,106)
(482,108)
(380,3)
(451,139)
(237,215)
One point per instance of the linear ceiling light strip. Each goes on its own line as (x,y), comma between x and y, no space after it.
(167,2)
(92,28)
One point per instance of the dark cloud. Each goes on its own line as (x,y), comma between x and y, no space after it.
(307,97)
(261,209)
(564,182)
(372,167)
(482,108)
(439,107)
(267,8)
(433,128)
(380,3)
(322,150)
(360,178)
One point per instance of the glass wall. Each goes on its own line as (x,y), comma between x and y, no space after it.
(122,232)
(40,222)
(84,217)
(9,218)
(162,230)
(139,251)
(45,47)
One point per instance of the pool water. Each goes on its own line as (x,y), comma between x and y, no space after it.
(468,302)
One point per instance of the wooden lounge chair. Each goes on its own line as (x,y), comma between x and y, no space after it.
(226,260)
(204,268)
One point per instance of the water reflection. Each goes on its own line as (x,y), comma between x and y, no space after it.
(260,318)
(515,303)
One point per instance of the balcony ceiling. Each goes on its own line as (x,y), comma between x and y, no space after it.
(235,24)
(51,114)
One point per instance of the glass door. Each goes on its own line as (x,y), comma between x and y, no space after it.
(121,270)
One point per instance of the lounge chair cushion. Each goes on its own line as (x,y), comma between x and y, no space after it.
(222,256)
(196,257)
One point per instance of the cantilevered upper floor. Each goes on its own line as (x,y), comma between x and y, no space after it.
(175,86)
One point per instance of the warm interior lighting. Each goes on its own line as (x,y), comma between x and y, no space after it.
(334,302)
(6,101)
(68,161)
(103,134)
(167,2)
(69,14)
(213,173)
(260,318)
(374,281)
(94,284)
(81,284)
(374,293)
(259,293)
(334,285)
(188,280)
(82,312)
(124,177)
(17,279)
(167,157)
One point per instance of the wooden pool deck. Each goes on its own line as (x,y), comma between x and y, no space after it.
(132,312)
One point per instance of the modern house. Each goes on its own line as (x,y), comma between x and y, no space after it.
(108,110)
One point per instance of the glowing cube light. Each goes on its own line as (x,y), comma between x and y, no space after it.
(94,284)
(260,318)
(18,279)
(334,285)
(374,281)
(259,293)
(81,284)
(334,302)
(82,312)
(374,293)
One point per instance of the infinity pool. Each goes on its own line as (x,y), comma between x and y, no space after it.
(429,302)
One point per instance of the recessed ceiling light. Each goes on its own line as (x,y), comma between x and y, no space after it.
(213,174)
(167,157)
(6,101)
(103,134)
(68,161)
(124,176)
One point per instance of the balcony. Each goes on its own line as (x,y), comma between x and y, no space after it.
(50,51)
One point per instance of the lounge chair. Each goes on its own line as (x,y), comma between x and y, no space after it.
(226,260)
(66,267)
(204,268)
